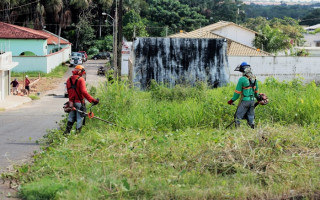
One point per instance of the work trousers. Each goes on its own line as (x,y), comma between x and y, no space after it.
(75,116)
(245,111)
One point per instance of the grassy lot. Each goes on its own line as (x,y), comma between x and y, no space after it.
(172,144)
(57,72)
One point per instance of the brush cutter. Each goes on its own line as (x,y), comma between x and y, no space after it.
(90,115)
(262,100)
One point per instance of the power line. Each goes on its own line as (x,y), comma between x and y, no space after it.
(20,6)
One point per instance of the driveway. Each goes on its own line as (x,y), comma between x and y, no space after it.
(21,127)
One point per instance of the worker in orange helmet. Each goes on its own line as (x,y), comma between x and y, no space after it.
(77,91)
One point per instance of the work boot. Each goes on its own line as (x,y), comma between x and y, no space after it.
(252,126)
(237,124)
(68,128)
(78,130)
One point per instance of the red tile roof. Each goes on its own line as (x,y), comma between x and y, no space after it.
(9,31)
(54,39)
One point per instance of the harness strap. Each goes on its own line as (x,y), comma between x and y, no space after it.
(252,86)
(74,86)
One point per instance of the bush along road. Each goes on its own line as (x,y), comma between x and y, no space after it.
(23,128)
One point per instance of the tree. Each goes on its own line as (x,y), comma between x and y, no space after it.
(287,26)
(290,27)
(175,15)
(105,44)
(227,11)
(272,40)
(255,23)
(311,18)
(133,24)
(84,34)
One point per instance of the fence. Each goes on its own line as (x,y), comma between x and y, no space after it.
(281,67)
(41,63)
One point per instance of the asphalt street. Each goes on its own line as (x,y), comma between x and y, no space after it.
(22,126)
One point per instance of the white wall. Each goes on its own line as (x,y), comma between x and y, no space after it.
(282,68)
(126,50)
(55,59)
(42,63)
(6,65)
(237,34)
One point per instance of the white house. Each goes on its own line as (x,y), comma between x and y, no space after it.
(237,46)
(34,50)
(312,40)
(6,65)
(228,30)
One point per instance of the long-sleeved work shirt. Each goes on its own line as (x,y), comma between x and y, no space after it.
(81,90)
(249,91)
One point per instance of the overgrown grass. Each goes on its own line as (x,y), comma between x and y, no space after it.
(57,72)
(173,145)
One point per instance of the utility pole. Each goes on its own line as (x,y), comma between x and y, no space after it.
(115,42)
(119,38)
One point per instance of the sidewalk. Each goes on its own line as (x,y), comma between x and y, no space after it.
(13,101)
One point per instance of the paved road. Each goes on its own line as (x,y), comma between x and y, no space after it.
(21,127)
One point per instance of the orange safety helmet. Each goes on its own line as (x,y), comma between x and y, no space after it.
(81,69)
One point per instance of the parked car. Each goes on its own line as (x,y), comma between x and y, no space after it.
(101,55)
(101,71)
(76,59)
(85,55)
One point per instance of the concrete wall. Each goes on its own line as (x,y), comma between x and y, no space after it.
(52,47)
(237,34)
(6,65)
(55,59)
(282,68)
(42,63)
(126,50)
(30,63)
(17,46)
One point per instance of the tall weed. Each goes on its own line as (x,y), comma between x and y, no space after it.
(162,108)
(172,144)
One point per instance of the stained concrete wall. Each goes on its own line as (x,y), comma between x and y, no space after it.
(282,68)
(179,60)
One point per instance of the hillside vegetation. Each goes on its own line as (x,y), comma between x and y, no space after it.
(173,144)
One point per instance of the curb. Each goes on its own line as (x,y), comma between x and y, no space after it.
(5,105)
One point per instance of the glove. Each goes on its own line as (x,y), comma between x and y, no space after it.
(259,98)
(95,101)
(230,102)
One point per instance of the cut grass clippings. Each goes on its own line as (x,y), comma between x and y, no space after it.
(34,97)
(173,145)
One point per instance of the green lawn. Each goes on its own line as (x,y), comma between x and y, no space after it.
(57,72)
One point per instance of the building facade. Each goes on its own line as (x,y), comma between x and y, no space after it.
(6,65)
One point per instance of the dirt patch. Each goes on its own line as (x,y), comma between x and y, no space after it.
(45,84)
(42,85)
